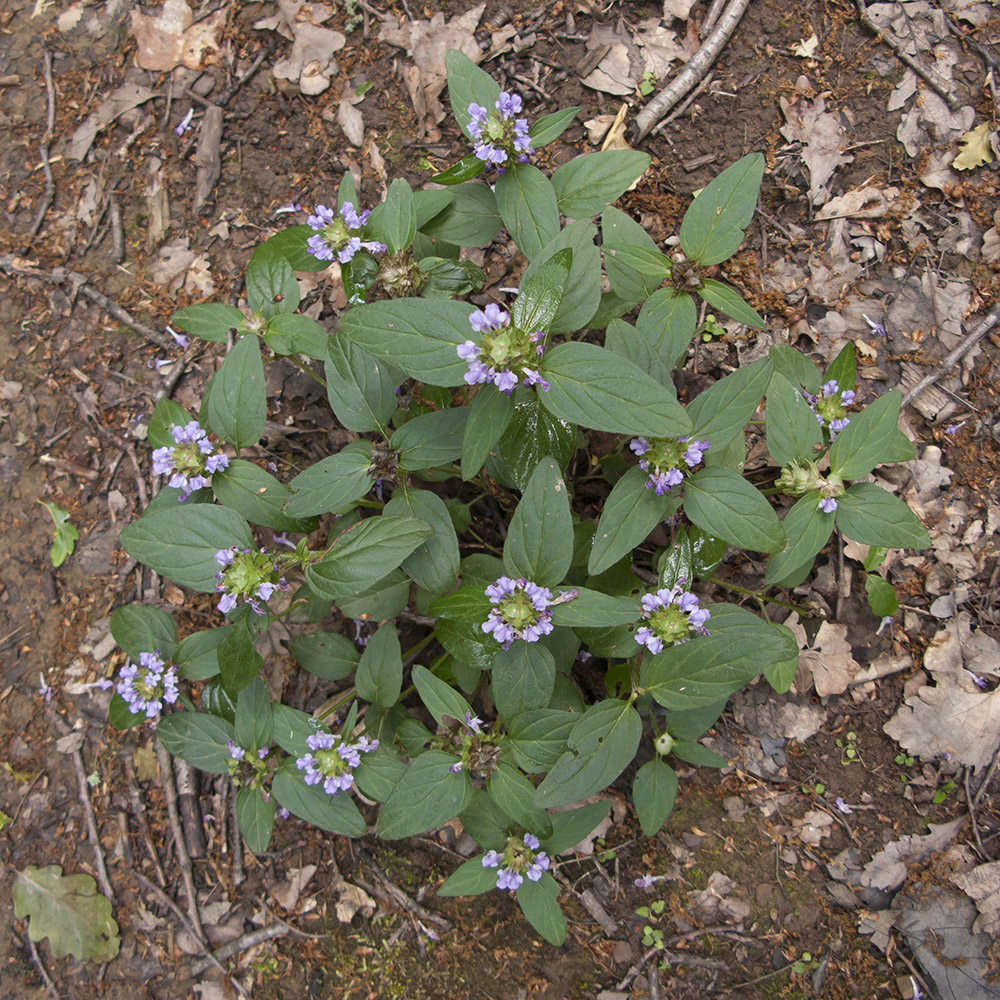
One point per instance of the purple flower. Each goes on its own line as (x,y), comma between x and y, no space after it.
(843,806)
(252,575)
(644,882)
(44,689)
(882,624)
(283,813)
(520,858)
(980,682)
(499,135)
(830,406)
(334,234)
(190,461)
(491,859)
(147,686)
(182,339)
(520,612)
(953,429)
(672,617)
(235,750)
(503,354)
(332,761)
(184,125)
(828,505)
(877,328)
(508,878)
(665,460)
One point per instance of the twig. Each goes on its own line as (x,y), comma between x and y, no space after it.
(50,124)
(235,947)
(187,801)
(592,905)
(635,970)
(692,73)
(289,927)
(140,814)
(199,940)
(183,861)
(934,81)
(981,791)
(712,16)
(237,875)
(392,893)
(972,816)
(36,958)
(989,321)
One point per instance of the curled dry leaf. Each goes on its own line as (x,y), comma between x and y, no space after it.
(814,827)
(982,884)
(828,662)
(822,138)
(888,869)
(311,61)
(861,203)
(171,39)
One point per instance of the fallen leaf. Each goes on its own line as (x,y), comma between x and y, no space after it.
(806,47)
(170,39)
(311,61)
(822,137)
(828,662)
(977,149)
(296,879)
(814,827)
(351,121)
(982,884)
(126,97)
(861,203)
(888,869)
(353,900)
(715,902)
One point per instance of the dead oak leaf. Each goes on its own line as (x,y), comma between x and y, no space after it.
(982,884)
(828,663)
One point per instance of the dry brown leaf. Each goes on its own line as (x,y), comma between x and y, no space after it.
(288,893)
(827,663)
(126,97)
(170,39)
(982,884)
(977,149)
(888,869)
(861,203)
(311,61)
(822,138)
(814,827)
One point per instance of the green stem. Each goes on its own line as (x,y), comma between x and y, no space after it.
(301,364)
(756,595)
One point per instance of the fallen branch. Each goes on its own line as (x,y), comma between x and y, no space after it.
(50,123)
(390,893)
(989,321)
(36,958)
(692,73)
(140,814)
(235,947)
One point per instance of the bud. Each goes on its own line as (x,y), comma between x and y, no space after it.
(664,744)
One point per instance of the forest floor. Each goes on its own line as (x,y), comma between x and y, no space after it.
(778,876)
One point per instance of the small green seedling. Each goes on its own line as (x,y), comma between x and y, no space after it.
(804,964)
(849,747)
(66,535)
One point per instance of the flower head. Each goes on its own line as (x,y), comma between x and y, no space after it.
(147,686)
(520,858)
(672,617)
(252,575)
(190,461)
(336,233)
(505,354)
(520,611)
(332,761)
(499,136)
(830,406)
(667,460)
(828,505)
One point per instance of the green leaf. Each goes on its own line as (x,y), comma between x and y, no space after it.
(538,739)
(722,503)
(333,485)
(540,295)
(882,597)
(795,366)
(218,702)
(334,813)
(441,699)
(291,243)
(467,642)
(431,439)
(626,243)
(641,348)
(65,537)
(582,294)
(365,553)
(807,529)
(69,911)
(549,127)
(792,430)
(180,542)
(715,223)
(271,287)
(197,738)
(539,542)
(257,496)
(208,320)
(592,609)
(428,796)
(466,169)
(467,604)
(489,414)
(514,794)
(325,654)
(780,675)
(524,677)
(868,514)
(293,333)
(139,628)
(254,725)
(467,83)
(291,729)
(471,219)
(527,204)
(654,791)
(843,369)
(594,388)
(676,563)
(380,673)
(539,902)
(670,318)
(866,440)
(197,654)
(570,826)
(587,184)
(723,298)
(385,598)
(531,434)
(165,416)
(418,335)
(722,411)
(255,818)
(239,661)
(695,753)
(119,715)
(434,564)
(399,221)
(469,879)
(378,774)
(601,745)
(237,406)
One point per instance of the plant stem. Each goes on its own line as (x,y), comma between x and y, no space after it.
(756,594)
(301,364)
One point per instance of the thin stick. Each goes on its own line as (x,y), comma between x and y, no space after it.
(972,815)
(392,893)
(183,861)
(235,947)
(934,81)
(200,941)
(990,320)
(696,67)
(36,958)
(50,124)
(140,814)
(989,777)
